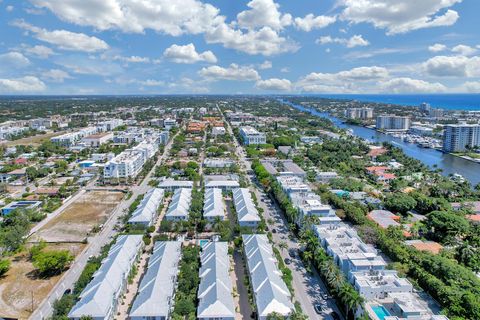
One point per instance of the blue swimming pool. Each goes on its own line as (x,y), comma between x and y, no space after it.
(203,242)
(380,311)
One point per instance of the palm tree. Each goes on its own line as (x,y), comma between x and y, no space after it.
(350,298)
(283,245)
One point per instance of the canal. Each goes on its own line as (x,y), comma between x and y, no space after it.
(431,157)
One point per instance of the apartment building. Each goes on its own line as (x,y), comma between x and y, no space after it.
(180,205)
(359,113)
(251,136)
(460,137)
(247,213)
(214,206)
(390,122)
(147,210)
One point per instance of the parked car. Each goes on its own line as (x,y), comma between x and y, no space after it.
(335,316)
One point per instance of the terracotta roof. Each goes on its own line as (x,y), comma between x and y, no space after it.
(474,217)
(430,246)
(376,152)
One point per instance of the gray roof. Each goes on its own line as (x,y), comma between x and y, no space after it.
(169,183)
(246,210)
(180,203)
(158,285)
(99,296)
(147,209)
(221,184)
(215,289)
(271,293)
(213,205)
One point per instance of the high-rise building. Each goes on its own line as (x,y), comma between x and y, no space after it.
(435,113)
(389,122)
(425,107)
(359,113)
(459,137)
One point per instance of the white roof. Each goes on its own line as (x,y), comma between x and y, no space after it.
(222,183)
(213,205)
(168,183)
(148,207)
(246,210)
(215,289)
(180,203)
(157,287)
(97,298)
(271,293)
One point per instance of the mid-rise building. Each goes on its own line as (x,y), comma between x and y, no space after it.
(359,113)
(460,137)
(251,135)
(389,122)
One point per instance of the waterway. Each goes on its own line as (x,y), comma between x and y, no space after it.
(433,158)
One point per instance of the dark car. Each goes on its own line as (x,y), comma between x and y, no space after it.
(274,230)
(292,253)
(318,308)
(335,316)
(288,261)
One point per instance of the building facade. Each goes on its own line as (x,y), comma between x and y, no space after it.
(460,137)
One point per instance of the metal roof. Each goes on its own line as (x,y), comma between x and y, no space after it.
(213,205)
(271,293)
(101,294)
(147,209)
(246,210)
(180,203)
(215,289)
(158,284)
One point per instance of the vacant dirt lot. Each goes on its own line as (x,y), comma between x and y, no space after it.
(78,219)
(21,284)
(34,141)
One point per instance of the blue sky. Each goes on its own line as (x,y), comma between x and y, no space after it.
(233,46)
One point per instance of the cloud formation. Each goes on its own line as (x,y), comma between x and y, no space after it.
(188,54)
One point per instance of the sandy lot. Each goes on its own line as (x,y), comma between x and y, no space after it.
(78,219)
(34,141)
(20,285)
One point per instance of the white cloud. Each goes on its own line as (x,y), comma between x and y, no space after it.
(64,39)
(265,41)
(233,72)
(464,50)
(188,54)
(274,84)
(400,16)
(453,66)
(263,13)
(437,47)
(13,59)
(469,87)
(89,66)
(285,70)
(40,51)
(265,65)
(9,8)
(164,16)
(25,84)
(310,22)
(56,75)
(354,41)
(409,85)
(152,83)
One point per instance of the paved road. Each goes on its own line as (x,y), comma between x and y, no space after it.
(308,287)
(95,243)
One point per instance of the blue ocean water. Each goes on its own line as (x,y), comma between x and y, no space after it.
(442,101)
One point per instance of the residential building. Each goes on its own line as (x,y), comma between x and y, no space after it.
(215,291)
(270,292)
(180,205)
(71,138)
(421,130)
(147,210)
(251,136)
(214,206)
(41,123)
(101,296)
(218,131)
(224,185)
(460,137)
(326,176)
(247,213)
(170,184)
(389,122)
(169,123)
(310,139)
(22,204)
(359,113)
(155,297)
(96,140)
(218,163)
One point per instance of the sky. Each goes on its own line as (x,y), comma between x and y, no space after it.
(78,47)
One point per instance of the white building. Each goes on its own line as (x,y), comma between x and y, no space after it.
(147,211)
(359,113)
(389,122)
(109,125)
(101,296)
(180,205)
(214,206)
(215,294)
(270,292)
(71,138)
(326,176)
(169,123)
(225,185)
(251,135)
(218,131)
(218,163)
(155,297)
(459,137)
(96,140)
(170,184)
(247,213)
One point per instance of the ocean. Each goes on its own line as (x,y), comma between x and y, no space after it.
(442,101)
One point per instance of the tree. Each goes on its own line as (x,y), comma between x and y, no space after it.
(283,245)
(350,298)
(400,202)
(4,266)
(52,262)
(447,225)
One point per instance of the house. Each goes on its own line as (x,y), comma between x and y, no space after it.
(27,205)
(180,205)
(422,245)
(247,213)
(172,185)
(270,292)
(155,295)
(225,185)
(326,176)
(147,210)
(214,206)
(101,296)
(218,131)
(215,291)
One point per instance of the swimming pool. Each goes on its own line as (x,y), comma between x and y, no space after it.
(202,243)
(380,311)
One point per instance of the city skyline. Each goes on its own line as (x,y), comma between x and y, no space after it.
(247,47)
